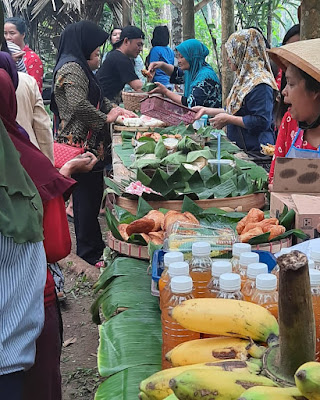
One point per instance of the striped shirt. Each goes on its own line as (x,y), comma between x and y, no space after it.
(23,272)
(15,49)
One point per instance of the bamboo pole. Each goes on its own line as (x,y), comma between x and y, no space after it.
(310,21)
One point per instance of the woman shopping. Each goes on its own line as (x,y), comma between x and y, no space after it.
(248,115)
(302,94)
(83,117)
(201,84)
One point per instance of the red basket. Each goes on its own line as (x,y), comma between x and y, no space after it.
(166,110)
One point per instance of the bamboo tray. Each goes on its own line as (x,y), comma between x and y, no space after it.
(128,249)
(120,128)
(274,247)
(240,203)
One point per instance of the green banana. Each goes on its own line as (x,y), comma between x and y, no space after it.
(307,378)
(143,396)
(271,393)
(217,385)
(172,397)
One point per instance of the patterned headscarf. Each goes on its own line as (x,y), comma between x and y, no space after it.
(246,49)
(195,53)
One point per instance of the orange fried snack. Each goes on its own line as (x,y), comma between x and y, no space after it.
(250,234)
(122,228)
(191,217)
(143,225)
(276,230)
(157,217)
(264,224)
(254,215)
(146,74)
(156,237)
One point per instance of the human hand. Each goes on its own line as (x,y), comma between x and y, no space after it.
(220,120)
(18,55)
(155,65)
(82,163)
(115,112)
(200,111)
(159,89)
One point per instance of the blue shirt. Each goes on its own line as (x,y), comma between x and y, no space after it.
(162,53)
(257,113)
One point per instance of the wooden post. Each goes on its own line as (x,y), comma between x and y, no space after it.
(296,318)
(227,22)
(126,12)
(310,21)
(188,19)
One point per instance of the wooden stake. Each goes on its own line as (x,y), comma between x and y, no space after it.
(296,318)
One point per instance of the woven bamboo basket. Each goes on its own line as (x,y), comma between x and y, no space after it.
(131,100)
(128,249)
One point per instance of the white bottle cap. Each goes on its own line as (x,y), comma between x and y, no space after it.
(249,258)
(315,255)
(178,269)
(311,264)
(230,282)
(220,267)
(314,277)
(238,248)
(266,282)
(201,249)
(181,284)
(171,257)
(284,251)
(256,269)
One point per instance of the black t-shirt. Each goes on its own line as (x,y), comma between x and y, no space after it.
(116,70)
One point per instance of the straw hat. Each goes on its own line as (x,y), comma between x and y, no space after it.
(304,55)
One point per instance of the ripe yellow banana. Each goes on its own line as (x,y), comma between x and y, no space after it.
(217,385)
(143,396)
(212,349)
(272,393)
(156,387)
(227,318)
(307,379)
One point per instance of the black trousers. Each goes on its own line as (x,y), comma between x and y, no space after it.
(87,198)
(11,386)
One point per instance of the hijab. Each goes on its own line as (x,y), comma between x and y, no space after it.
(160,36)
(7,63)
(77,42)
(49,182)
(246,49)
(21,206)
(195,53)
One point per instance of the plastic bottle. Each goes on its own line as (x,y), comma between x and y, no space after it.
(200,268)
(276,269)
(173,333)
(246,258)
(180,268)
(170,257)
(315,290)
(266,294)
(315,256)
(217,269)
(311,264)
(250,284)
(237,249)
(230,287)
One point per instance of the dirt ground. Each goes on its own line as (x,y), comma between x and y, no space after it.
(80,377)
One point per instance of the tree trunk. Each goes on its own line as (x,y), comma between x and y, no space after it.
(310,21)
(188,19)
(176,31)
(126,12)
(269,24)
(227,22)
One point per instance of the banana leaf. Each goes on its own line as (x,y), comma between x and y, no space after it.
(186,145)
(295,232)
(146,148)
(148,86)
(174,159)
(206,173)
(159,182)
(191,206)
(111,184)
(123,215)
(124,154)
(193,155)
(224,189)
(143,208)
(142,177)
(160,150)
(129,339)
(178,178)
(125,384)
(195,182)
(113,224)
(146,162)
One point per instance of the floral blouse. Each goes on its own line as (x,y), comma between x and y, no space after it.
(34,65)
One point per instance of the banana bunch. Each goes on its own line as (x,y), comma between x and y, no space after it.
(272,393)
(213,349)
(307,379)
(227,318)
(218,385)
(156,387)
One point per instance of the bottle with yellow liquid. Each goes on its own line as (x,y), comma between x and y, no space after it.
(200,268)
(237,249)
(250,284)
(180,268)
(169,258)
(230,287)
(266,294)
(246,259)
(217,269)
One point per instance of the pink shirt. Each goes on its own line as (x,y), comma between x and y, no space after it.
(34,65)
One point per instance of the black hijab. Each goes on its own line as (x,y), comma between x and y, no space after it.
(77,42)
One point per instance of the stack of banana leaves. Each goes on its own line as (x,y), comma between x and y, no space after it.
(130,337)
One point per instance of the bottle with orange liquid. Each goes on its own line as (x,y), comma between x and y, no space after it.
(170,257)
(315,290)
(253,271)
(266,294)
(173,333)
(180,268)
(237,249)
(200,268)
(217,269)
(246,258)
(230,287)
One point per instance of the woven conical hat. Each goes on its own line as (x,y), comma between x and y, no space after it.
(304,55)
